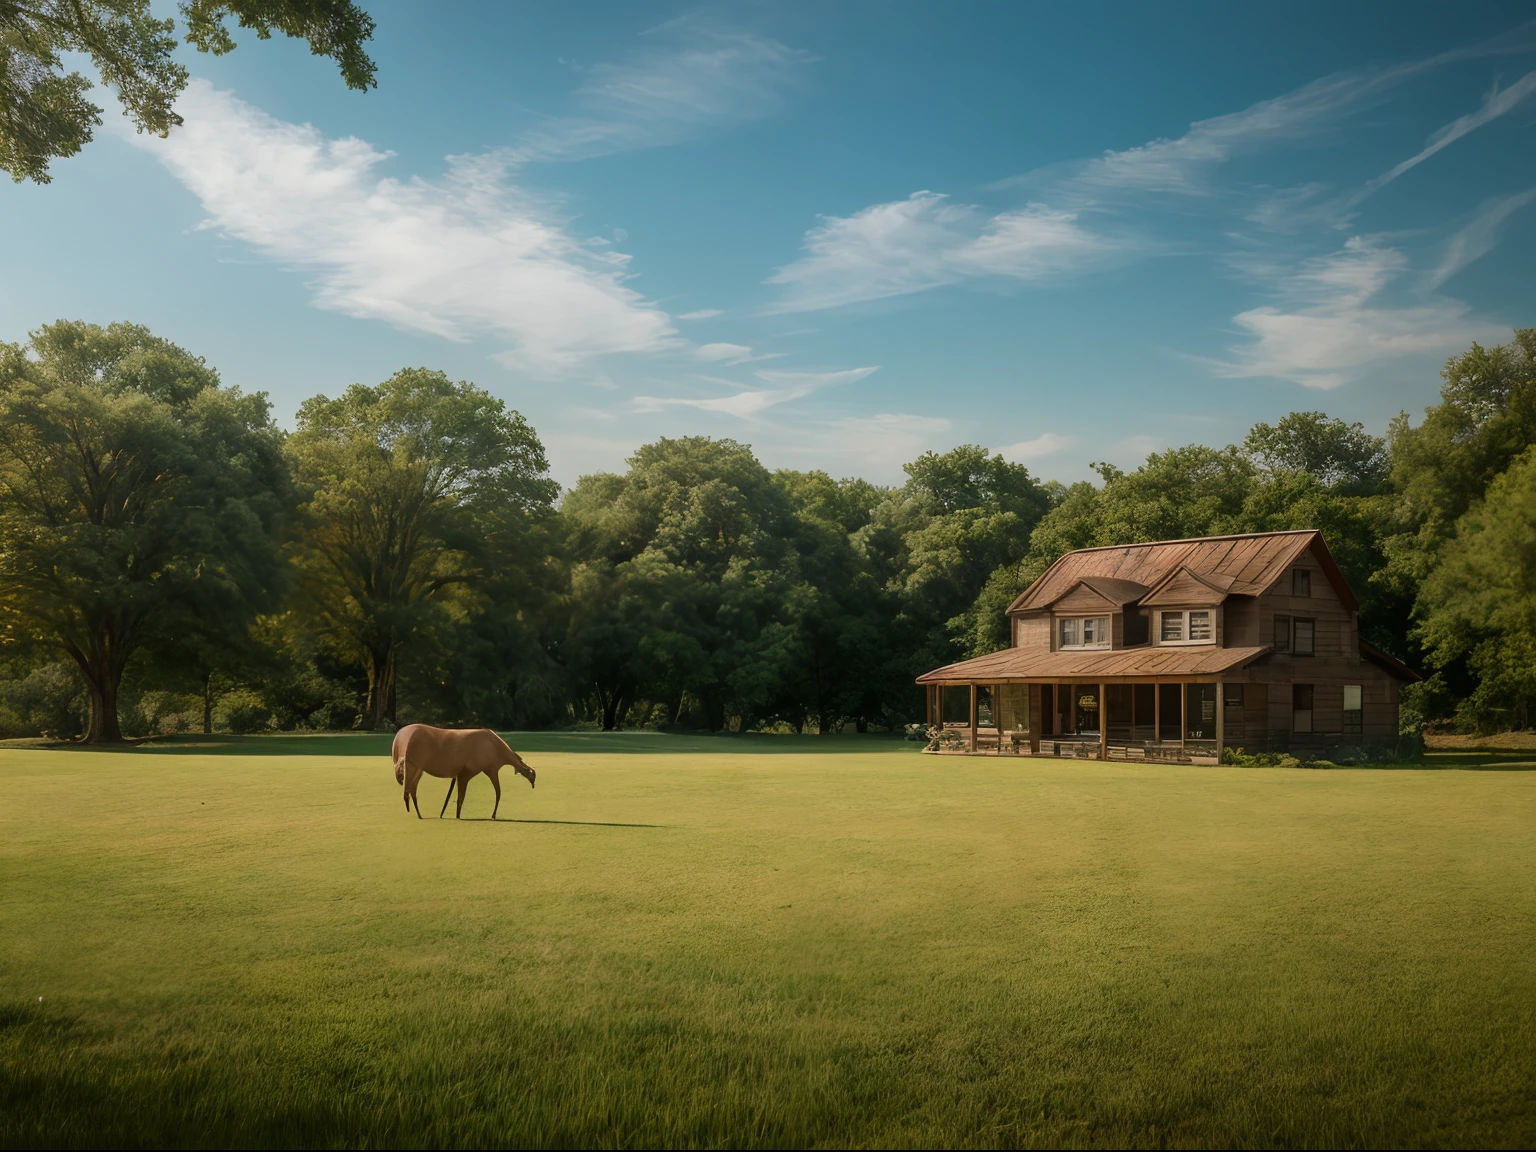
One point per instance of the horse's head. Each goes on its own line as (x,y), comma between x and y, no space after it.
(400,772)
(524,770)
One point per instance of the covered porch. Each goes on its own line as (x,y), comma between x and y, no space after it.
(1156,720)
(1171,704)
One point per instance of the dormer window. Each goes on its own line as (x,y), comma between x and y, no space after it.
(1083,632)
(1192,627)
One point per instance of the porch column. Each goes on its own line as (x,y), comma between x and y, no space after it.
(1221,717)
(1036,718)
(1103,723)
(973,717)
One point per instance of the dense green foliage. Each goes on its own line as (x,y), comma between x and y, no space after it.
(138,500)
(761,941)
(45,112)
(403,554)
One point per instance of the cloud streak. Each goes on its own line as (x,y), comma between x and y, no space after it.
(1477,238)
(752,403)
(926,241)
(1043,445)
(463,257)
(1494,105)
(1331,322)
(695,78)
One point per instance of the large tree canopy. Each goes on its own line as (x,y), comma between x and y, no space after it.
(44,111)
(404,484)
(137,501)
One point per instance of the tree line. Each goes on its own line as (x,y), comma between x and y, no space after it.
(171,560)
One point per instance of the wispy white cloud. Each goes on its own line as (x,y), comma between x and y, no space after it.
(1182,165)
(1331,322)
(724,353)
(690,78)
(702,314)
(1495,104)
(466,256)
(1038,448)
(926,241)
(1477,238)
(751,403)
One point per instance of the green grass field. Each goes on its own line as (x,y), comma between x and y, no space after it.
(762,941)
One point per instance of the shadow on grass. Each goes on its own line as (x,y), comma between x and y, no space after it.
(1482,760)
(644,743)
(577,823)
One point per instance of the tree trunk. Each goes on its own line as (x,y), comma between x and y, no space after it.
(207,703)
(714,712)
(102,668)
(381,689)
(613,708)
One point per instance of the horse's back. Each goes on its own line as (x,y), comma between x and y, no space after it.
(448,751)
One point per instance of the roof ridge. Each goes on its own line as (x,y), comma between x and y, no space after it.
(1192,540)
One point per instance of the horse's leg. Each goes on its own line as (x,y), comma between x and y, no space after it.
(495,778)
(448,797)
(461,782)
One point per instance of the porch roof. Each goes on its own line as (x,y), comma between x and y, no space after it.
(1108,664)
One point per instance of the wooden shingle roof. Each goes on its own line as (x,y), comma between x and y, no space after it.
(1106,664)
(1243,565)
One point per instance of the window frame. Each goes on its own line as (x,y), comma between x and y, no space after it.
(1311,624)
(1079,631)
(1282,632)
(1301,583)
(1354,718)
(1184,614)
(1307,692)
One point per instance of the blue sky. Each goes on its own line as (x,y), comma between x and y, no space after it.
(843,234)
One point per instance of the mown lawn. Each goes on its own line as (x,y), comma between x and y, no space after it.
(770,941)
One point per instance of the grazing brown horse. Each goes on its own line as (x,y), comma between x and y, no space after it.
(456,754)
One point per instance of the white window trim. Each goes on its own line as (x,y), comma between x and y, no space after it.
(1107,642)
(1184,629)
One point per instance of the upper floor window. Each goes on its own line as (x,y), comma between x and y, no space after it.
(1303,636)
(1084,632)
(1193,627)
(1297,635)
(1301,582)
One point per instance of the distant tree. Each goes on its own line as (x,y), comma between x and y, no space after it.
(1479,603)
(684,582)
(961,516)
(1485,419)
(1343,457)
(44,111)
(399,484)
(138,502)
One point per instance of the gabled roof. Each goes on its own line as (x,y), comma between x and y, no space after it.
(1183,585)
(1093,665)
(1117,592)
(1251,562)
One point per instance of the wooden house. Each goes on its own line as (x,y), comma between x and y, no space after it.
(1174,650)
